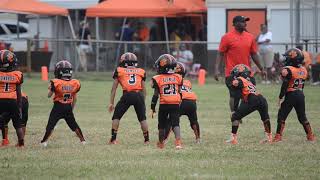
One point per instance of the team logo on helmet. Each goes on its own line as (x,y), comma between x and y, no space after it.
(241,70)
(8,60)
(166,64)
(128,59)
(293,57)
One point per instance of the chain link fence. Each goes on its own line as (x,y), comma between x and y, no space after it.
(102,56)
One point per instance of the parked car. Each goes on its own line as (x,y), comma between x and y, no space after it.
(9,34)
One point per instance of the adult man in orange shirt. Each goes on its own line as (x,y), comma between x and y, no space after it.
(236,47)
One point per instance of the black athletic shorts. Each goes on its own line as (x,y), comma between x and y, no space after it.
(9,108)
(61,111)
(189,108)
(130,98)
(294,100)
(168,114)
(24,119)
(255,102)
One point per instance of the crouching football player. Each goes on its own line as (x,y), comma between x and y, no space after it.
(251,101)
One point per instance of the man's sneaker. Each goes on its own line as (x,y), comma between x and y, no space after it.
(233,139)
(178,144)
(198,141)
(146,142)
(5,142)
(83,142)
(160,145)
(315,83)
(113,142)
(311,137)
(44,144)
(277,138)
(268,138)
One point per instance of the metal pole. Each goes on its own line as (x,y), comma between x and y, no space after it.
(298,22)
(28,57)
(97,44)
(71,28)
(316,24)
(291,22)
(119,46)
(18,30)
(167,36)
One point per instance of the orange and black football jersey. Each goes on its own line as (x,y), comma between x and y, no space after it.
(169,87)
(298,77)
(8,84)
(246,86)
(130,78)
(186,91)
(65,90)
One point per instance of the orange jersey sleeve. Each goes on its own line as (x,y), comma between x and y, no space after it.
(130,79)
(65,91)
(8,84)
(298,77)
(186,91)
(169,88)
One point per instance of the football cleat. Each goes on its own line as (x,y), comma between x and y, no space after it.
(113,142)
(311,137)
(146,142)
(5,142)
(178,144)
(44,144)
(160,145)
(277,138)
(233,139)
(198,141)
(268,138)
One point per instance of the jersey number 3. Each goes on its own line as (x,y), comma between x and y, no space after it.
(132,79)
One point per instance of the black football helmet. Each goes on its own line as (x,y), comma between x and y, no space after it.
(63,70)
(166,64)
(128,59)
(8,60)
(293,57)
(240,70)
(180,69)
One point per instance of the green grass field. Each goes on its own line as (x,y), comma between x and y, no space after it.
(66,158)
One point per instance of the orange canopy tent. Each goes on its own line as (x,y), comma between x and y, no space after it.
(34,7)
(191,6)
(134,8)
(31,7)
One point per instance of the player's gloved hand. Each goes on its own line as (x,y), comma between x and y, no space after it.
(152,113)
(110,108)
